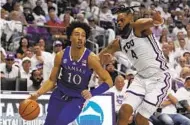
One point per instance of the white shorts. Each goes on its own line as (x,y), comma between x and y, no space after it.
(145,95)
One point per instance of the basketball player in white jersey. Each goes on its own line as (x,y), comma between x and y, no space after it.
(152,82)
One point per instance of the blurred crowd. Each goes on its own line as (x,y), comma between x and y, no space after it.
(33,31)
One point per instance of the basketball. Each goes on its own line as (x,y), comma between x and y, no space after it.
(29,109)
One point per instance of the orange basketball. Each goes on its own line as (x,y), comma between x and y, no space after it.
(29,109)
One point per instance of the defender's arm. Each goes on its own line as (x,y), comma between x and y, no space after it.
(147,23)
(110,49)
(94,63)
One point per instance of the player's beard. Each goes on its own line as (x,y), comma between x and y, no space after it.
(125,31)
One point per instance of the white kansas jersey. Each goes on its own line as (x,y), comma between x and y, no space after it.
(144,53)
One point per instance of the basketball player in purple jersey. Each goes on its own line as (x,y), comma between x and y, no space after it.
(72,70)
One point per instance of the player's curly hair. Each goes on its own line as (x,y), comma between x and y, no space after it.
(77,24)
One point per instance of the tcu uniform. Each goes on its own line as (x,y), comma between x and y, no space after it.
(73,79)
(152,82)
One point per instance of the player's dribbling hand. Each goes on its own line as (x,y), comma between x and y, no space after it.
(86,94)
(34,96)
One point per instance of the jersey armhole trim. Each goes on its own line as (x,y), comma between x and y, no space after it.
(120,45)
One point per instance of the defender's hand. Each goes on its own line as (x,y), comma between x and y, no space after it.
(157,19)
(106,59)
(86,94)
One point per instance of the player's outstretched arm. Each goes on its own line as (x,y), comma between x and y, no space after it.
(50,83)
(94,63)
(146,23)
(106,54)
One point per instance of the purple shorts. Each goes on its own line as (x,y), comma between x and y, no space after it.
(63,109)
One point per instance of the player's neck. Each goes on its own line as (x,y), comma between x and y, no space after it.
(76,53)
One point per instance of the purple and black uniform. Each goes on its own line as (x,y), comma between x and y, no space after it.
(66,101)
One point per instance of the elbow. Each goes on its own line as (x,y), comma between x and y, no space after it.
(110,83)
(158,22)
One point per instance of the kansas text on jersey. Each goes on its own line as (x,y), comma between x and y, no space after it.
(74,75)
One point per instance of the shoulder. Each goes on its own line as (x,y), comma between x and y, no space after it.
(93,60)
(60,54)
(58,57)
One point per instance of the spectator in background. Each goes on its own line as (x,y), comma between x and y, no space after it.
(179,28)
(51,4)
(187,56)
(180,35)
(68,11)
(54,23)
(119,92)
(26,70)
(18,8)
(8,6)
(183,4)
(28,13)
(29,53)
(84,5)
(185,71)
(3,55)
(66,21)
(171,46)
(165,14)
(163,39)
(42,58)
(39,13)
(97,29)
(15,26)
(187,46)
(182,63)
(23,47)
(8,70)
(171,35)
(181,48)
(38,10)
(57,47)
(183,95)
(105,15)
(4,14)
(169,115)
(167,51)
(111,70)
(169,21)
(81,18)
(97,32)
(93,9)
(157,31)
(36,78)
(42,44)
